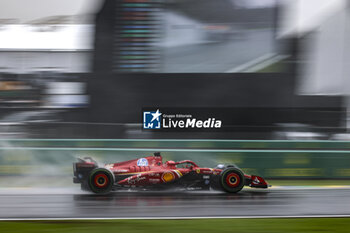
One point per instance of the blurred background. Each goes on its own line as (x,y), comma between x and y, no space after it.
(84,70)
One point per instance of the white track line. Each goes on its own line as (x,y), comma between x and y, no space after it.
(247,65)
(179,218)
(265,63)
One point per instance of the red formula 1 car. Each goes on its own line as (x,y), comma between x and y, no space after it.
(150,173)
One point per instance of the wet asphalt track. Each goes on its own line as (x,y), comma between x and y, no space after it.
(177,204)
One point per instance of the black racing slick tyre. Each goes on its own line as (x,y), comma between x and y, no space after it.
(101,180)
(232,180)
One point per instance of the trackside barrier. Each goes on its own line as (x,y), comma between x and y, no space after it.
(271,159)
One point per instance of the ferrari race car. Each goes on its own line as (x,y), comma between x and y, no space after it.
(150,173)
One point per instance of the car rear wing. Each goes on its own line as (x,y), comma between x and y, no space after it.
(82,168)
(87,160)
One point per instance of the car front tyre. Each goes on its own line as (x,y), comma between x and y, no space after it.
(232,180)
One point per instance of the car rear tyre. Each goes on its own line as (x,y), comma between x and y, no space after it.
(232,180)
(101,180)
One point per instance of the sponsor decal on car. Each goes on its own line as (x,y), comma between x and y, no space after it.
(142,162)
(154,181)
(134,180)
(168,176)
(154,175)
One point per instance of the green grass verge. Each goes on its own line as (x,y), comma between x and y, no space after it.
(308,225)
(274,68)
